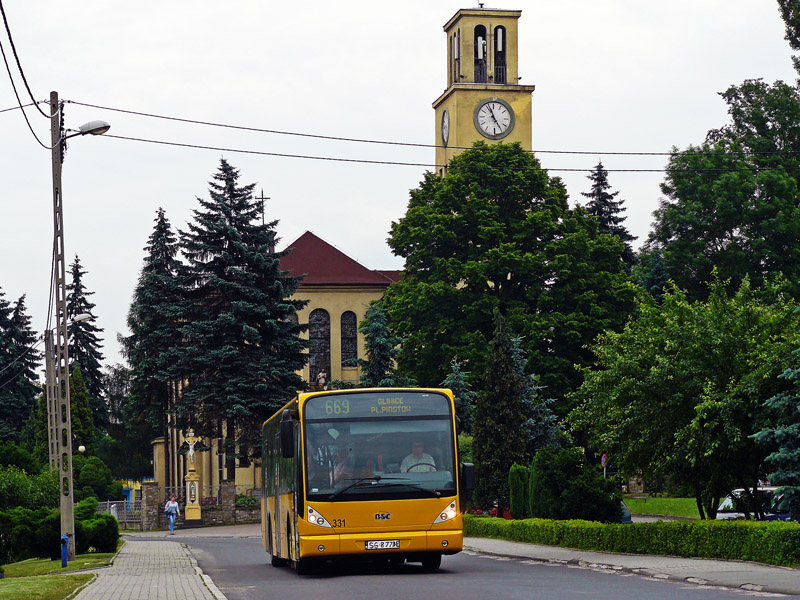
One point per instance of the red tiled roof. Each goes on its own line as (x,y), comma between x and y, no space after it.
(322,264)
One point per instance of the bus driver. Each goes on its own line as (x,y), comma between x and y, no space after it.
(418,461)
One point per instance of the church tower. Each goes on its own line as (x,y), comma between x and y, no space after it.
(484,99)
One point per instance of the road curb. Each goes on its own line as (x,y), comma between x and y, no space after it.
(577,562)
(215,591)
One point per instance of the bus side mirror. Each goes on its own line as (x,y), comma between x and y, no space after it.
(467,479)
(287,435)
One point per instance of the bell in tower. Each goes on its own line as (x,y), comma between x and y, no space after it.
(484,99)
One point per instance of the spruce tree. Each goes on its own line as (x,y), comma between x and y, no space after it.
(604,206)
(541,424)
(464,397)
(18,360)
(381,347)
(242,347)
(83,429)
(84,344)
(499,435)
(153,347)
(785,434)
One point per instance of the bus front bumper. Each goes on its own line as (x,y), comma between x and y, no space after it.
(410,542)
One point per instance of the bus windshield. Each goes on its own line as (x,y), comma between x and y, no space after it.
(374,445)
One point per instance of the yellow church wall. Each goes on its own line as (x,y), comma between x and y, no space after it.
(337,300)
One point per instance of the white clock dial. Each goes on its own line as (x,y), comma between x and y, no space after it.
(445,126)
(494,118)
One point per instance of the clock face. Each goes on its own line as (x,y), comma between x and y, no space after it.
(494,118)
(445,126)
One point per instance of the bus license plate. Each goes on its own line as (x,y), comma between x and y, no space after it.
(382,545)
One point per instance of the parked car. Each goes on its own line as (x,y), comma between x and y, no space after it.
(626,514)
(736,505)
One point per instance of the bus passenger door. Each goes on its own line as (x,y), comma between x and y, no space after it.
(277,512)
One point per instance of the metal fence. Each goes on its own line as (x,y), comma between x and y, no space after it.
(129,514)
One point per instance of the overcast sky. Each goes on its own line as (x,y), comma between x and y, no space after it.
(610,76)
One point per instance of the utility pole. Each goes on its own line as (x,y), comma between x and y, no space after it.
(60,371)
(52,402)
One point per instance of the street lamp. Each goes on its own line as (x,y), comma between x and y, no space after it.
(58,404)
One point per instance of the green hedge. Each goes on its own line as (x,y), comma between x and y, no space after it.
(771,542)
(26,533)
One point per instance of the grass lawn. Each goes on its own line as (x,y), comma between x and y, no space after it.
(44,566)
(53,587)
(672,507)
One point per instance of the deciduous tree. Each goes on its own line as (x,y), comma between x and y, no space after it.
(496,233)
(679,392)
(733,203)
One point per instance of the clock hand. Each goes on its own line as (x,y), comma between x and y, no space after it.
(491,112)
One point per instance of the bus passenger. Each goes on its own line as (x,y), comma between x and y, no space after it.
(341,468)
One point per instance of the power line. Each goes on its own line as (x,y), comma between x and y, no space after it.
(412,164)
(19,102)
(389,142)
(19,65)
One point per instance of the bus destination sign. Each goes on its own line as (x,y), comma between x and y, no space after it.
(375,404)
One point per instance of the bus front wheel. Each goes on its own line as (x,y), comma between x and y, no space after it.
(431,562)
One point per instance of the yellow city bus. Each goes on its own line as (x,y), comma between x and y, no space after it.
(363,474)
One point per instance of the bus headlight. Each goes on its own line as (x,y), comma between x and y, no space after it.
(447,514)
(317,519)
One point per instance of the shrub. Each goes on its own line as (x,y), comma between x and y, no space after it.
(465,448)
(13,455)
(17,488)
(771,542)
(86,509)
(26,533)
(96,475)
(104,533)
(519,503)
(562,487)
(246,501)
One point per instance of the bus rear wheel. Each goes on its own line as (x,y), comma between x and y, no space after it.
(431,562)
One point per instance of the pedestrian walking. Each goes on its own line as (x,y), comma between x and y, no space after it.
(173,511)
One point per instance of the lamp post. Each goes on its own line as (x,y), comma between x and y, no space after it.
(58,404)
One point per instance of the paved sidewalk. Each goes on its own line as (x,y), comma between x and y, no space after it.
(733,574)
(150,570)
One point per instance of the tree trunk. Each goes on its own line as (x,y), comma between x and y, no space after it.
(698,496)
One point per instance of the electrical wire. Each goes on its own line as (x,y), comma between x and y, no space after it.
(24,114)
(19,65)
(425,165)
(392,143)
(16,360)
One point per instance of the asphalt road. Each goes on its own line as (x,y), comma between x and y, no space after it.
(241,570)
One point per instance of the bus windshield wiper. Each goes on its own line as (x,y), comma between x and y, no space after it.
(359,481)
(417,486)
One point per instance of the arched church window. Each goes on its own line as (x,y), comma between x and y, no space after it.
(319,341)
(480,54)
(500,75)
(349,339)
